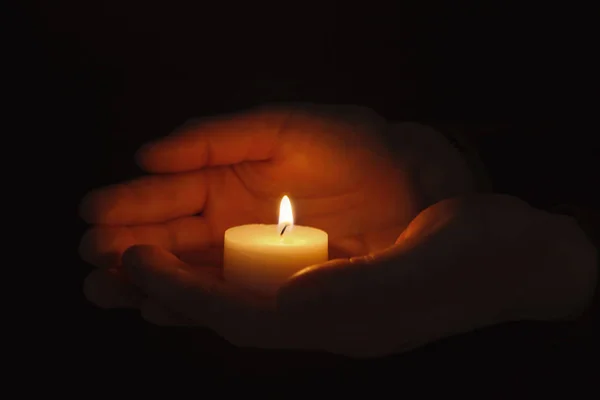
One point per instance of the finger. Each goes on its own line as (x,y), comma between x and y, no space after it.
(157,314)
(312,285)
(331,287)
(108,288)
(324,303)
(146,200)
(103,246)
(194,294)
(248,136)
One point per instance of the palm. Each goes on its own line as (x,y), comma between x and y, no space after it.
(336,172)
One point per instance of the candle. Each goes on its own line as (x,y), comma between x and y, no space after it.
(262,257)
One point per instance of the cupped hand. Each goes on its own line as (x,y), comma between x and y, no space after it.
(461,264)
(335,163)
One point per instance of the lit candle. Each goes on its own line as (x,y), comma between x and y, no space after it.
(262,257)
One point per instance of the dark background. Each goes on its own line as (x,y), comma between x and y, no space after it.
(104,77)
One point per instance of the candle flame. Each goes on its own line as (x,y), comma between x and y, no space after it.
(286,217)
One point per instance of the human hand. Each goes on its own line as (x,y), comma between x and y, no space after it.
(429,284)
(334,162)
(461,264)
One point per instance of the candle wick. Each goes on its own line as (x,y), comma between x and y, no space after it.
(283,230)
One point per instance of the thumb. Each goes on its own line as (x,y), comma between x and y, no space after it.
(339,278)
(322,286)
(342,306)
(194,293)
(154,269)
(165,278)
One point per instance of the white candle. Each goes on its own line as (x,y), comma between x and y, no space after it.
(262,257)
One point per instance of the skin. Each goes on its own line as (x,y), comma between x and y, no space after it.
(416,254)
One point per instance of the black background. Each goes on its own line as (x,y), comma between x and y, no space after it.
(101,78)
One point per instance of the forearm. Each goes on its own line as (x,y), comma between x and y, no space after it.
(448,164)
(476,143)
